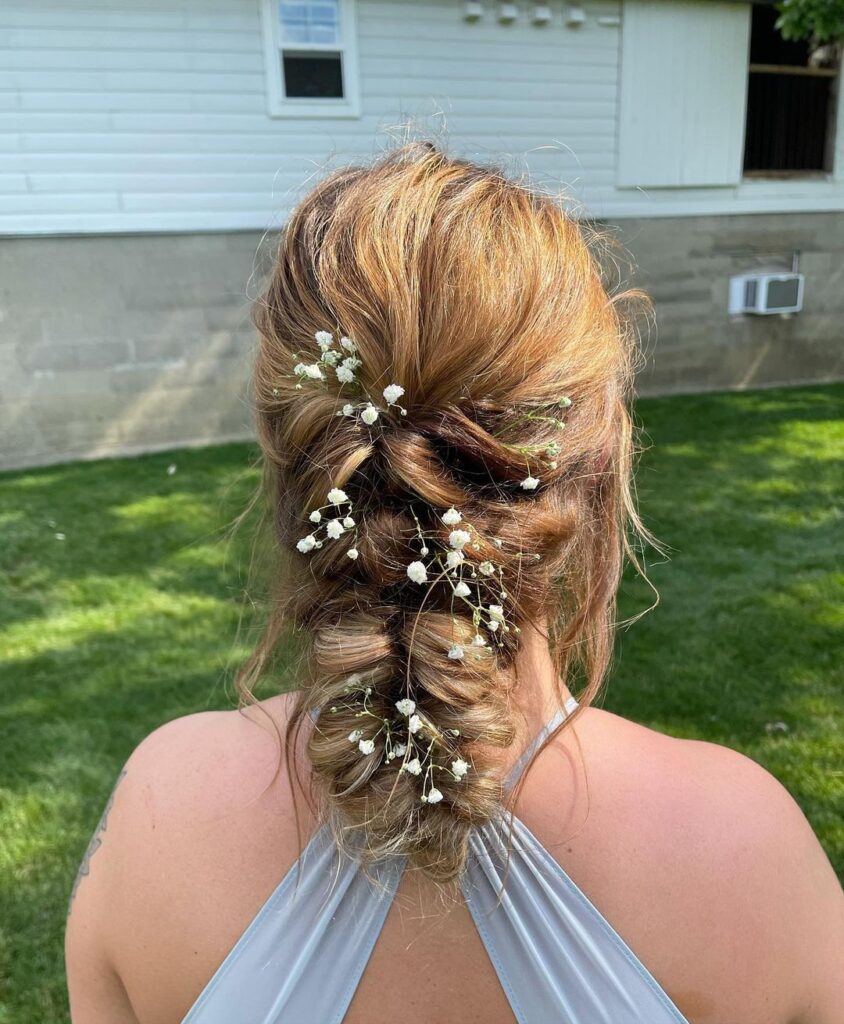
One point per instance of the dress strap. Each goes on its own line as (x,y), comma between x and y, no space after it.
(515,772)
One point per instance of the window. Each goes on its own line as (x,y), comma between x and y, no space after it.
(311,58)
(790,103)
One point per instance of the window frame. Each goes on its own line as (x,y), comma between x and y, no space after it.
(279,105)
(833,165)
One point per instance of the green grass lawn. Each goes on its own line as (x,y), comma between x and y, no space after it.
(132,619)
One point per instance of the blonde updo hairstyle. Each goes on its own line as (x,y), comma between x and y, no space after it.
(483,300)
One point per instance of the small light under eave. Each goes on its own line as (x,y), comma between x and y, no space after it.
(473,10)
(574,15)
(507,13)
(541,14)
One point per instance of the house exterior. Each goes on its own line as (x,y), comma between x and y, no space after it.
(152,148)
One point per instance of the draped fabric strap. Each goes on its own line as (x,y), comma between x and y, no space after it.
(302,957)
(515,772)
(557,958)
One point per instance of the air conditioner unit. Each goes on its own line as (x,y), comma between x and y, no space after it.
(766,292)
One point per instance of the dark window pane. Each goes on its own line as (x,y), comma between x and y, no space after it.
(767,46)
(787,120)
(313,75)
(790,104)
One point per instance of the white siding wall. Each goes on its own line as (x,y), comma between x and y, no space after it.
(151,115)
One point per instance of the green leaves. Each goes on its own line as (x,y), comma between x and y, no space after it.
(820,21)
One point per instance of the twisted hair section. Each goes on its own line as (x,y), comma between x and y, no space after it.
(485,303)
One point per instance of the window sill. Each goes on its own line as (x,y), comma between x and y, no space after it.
(807,185)
(750,176)
(300,109)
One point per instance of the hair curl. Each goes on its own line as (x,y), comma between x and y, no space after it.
(481,298)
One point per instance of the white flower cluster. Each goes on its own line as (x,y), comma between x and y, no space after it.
(468,584)
(340,358)
(412,740)
(369,412)
(336,519)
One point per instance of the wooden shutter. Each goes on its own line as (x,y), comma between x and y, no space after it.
(684,66)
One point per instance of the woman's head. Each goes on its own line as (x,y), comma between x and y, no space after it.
(481,300)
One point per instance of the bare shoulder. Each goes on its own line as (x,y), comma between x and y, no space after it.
(199,761)
(198,779)
(720,846)
(715,791)
(198,832)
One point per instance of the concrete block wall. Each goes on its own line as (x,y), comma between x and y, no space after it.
(119,344)
(685,263)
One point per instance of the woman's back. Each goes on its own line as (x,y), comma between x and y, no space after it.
(442,390)
(695,855)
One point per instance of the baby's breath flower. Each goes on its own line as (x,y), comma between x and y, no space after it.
(355,736)
(352,553)
(344,375)
(348,409)
(347,344)
(352,363)
(456,652)
(307,544)
(406,706)
(366,746)
(414,767)
(330,358)
(310,370)
(417,572)
(336,496)
(498,542)
(454,558)
(315,516)
(459,767)
(552,450)
(325,339)
(462,589)
(392,393)
(530,483)
(348,522)
(565,402)
(334,529)
(414,724)
(487,568)
(399,749)
(369,414)
(492,625)
(478,641)
(452,517)
(496,612)
(459,539)
(434,796)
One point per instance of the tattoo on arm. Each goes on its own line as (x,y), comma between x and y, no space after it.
(95,843)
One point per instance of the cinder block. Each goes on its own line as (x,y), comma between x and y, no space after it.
(121,343)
